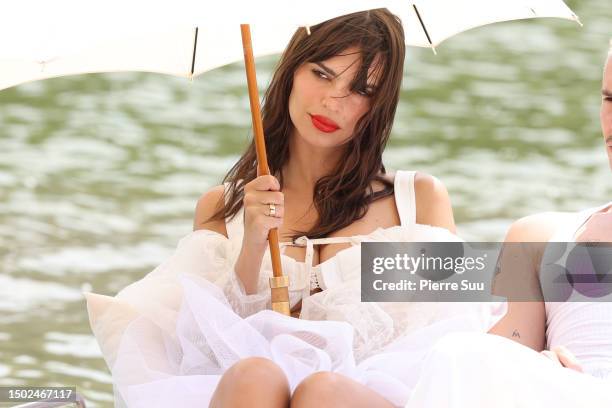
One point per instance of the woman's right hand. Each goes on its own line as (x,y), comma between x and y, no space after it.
(258,195)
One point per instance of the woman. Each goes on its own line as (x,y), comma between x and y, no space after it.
(200,323)
(327,117)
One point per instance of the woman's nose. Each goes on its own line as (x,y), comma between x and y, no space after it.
(334,98)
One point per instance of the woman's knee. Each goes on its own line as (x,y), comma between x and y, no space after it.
(321,388)
(326,389)
(253,370)
(252,382)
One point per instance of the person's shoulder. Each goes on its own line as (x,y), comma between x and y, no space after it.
(538,227)
(433,205)
(424,183)
(212,197)
(429,187)
(209,203)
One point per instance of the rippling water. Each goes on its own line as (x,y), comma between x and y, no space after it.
(99,174)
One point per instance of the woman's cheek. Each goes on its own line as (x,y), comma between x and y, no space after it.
(359,109)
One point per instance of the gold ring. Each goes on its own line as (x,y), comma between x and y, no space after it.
(272,212)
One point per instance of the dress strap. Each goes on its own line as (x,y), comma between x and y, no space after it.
(405,197)
(235,226)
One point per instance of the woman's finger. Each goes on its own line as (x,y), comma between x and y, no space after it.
(567,358)
(270,197)
(278,212)
(551,356)
(265,183)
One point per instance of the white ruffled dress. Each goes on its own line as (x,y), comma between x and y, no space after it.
(169,337)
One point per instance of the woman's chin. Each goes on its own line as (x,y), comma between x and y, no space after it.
(307,134)
(322,140)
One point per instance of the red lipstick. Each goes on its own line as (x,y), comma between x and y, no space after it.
(324,124)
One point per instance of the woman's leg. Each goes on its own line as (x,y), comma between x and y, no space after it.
(326,389)
(252,382)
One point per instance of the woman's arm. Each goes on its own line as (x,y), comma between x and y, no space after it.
(208,204)
(259,194)
(249,262)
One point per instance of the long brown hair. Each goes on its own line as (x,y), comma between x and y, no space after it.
(344,195)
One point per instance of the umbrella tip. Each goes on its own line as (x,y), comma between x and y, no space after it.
(307,29)
(434,50)
(577,19)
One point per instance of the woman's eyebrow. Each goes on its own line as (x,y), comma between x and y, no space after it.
(372,87)
(326,68)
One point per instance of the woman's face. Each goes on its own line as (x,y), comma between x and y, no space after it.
(322,107)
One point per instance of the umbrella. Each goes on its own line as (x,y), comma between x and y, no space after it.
(70,37)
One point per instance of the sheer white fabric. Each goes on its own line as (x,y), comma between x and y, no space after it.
(179,328)
(169,337)
(467,370)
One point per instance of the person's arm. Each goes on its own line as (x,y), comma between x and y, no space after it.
(525,321)
(248,263)
(257,195)
(207,205)
(433,206)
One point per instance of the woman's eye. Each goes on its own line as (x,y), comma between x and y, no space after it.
(320,74)
(365,93)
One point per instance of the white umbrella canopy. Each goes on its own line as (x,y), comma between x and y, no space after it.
(185,38)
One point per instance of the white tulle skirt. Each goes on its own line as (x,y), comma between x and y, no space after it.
(169,337)
(153,368)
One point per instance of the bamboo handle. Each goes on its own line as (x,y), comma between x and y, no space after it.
(278,287)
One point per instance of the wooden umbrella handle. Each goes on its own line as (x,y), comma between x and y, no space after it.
(279,284)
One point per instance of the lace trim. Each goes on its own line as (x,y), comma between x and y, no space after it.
(314,280)
(304,241)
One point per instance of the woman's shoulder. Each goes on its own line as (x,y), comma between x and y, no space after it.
(423,182)
(208,204)
(433,206)
(431,198)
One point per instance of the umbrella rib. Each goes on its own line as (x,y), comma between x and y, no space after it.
(422,24)
(195,45)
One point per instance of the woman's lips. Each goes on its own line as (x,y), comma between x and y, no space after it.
(324,124)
